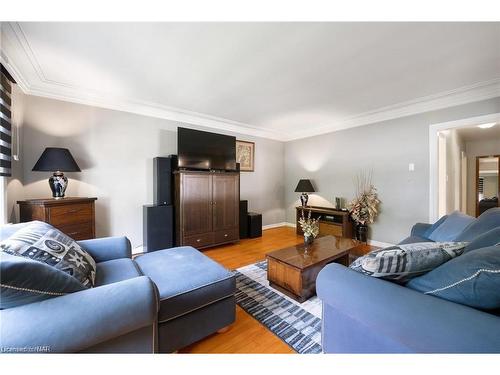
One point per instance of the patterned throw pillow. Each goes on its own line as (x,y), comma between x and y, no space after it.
(41,242)
(402,262)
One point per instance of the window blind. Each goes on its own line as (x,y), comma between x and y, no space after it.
(5,123)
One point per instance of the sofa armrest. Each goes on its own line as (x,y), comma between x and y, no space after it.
(80,320)
(420,229)
(107,248)
(418,322)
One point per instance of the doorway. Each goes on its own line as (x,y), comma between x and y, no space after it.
(487,182)
(453,182)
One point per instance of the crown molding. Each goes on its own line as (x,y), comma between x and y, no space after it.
(463,95)
(17,52)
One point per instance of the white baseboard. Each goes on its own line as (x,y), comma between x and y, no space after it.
(275,225)
(138,250)
(379,243)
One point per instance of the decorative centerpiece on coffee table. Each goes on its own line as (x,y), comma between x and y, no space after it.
(364,207)
(310,227)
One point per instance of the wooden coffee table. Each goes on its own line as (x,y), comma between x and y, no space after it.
(293,270)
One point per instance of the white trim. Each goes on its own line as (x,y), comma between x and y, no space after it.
(379,243)
(291,225)
(433,154)
(462,95)
(275,225)
(35,83)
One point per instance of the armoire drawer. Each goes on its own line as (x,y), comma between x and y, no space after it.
(227,235)
(199,240)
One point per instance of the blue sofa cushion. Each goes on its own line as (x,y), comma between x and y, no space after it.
(403,262)
(434,226)
(472,279)
(113,271)
(451,227)
(489,238)
(186,279)
(43,243)
(487,221)
(23,281)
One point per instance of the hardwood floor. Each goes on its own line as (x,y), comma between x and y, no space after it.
(246,335)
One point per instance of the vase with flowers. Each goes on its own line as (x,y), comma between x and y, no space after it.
(309,226)
(364,207)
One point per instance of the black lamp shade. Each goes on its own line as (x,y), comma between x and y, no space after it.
(304,186)
(56,159)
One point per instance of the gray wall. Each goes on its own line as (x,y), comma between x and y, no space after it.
(332,161)
(115,151)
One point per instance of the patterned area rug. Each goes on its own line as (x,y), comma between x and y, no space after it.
(297,324)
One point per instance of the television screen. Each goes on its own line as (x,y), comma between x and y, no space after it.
(203,150)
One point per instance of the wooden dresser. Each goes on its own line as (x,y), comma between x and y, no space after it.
(73,216)
(332,222)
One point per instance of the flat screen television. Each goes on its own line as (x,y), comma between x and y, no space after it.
(203,150)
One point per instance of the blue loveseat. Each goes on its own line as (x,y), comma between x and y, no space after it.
(362,314)
(159,302)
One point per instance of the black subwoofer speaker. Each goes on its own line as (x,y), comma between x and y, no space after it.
(243,219)
(254,225)
(163,180)
(158,227)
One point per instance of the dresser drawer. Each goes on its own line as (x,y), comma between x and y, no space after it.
(227,235)
(199,240)
(71,214)
(81,231)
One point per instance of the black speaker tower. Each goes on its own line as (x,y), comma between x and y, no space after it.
(158,218)
(163,179)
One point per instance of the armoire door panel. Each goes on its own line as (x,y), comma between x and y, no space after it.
(226,200)
(196,203)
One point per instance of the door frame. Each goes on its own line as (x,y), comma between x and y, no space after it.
(477,179)
(434,129)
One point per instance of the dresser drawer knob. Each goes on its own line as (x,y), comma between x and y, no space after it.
(198,240)
(225,235)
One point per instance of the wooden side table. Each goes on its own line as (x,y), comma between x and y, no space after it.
(73,216)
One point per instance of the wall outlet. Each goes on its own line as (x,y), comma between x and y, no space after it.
(411,167)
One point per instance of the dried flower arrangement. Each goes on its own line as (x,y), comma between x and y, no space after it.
(364,207)
(309,226)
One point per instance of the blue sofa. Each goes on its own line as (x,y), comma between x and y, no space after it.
(159,302)
(362,314)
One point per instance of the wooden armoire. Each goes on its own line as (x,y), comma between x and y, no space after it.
(206,208)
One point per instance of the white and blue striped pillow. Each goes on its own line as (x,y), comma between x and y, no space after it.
(403,262)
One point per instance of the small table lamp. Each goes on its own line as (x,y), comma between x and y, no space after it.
(304,187)
(57,160)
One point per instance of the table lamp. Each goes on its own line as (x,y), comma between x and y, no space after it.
(57,160)
(304,186)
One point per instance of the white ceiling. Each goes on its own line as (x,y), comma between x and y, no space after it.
(277,80)
(473,133)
